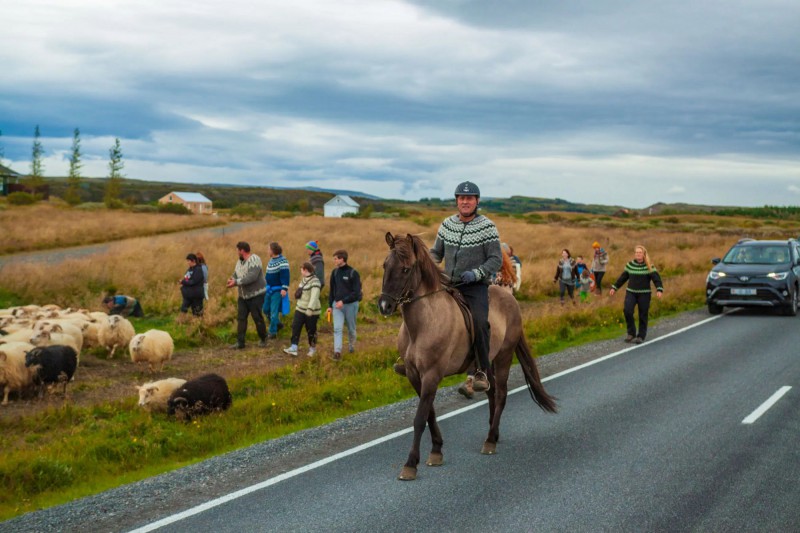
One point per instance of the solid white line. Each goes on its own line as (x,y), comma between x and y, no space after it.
(755,415)
(322,462)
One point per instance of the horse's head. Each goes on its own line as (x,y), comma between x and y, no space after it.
(402,271)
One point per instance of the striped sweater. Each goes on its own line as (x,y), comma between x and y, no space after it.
(639,277)
(309,303)
(474,245)
(277,274)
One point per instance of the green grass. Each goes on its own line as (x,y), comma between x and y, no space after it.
(69,452)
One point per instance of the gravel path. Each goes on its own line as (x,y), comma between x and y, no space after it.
(123,508)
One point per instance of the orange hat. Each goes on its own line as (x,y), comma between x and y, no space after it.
(595,244)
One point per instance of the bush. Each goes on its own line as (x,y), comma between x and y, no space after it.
(21,198)
(175,209)
(245,210)
(145,208)
(115,203)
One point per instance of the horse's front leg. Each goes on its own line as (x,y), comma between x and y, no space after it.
(426,389)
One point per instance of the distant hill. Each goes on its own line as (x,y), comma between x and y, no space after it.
(526,204)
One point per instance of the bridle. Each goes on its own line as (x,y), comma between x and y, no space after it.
(406,293)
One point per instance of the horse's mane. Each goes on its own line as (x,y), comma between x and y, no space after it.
(432,276)
(507,275)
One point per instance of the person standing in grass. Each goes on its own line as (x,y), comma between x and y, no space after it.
(566,275)
(599,265)
(248,277)
(343,298)
(306,312)
(192,287)
(639,273)
(586,284)
(315,258)
(201,260)
(277,279)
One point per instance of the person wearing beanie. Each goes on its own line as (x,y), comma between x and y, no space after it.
(638,274)
(315,258)
(599,265)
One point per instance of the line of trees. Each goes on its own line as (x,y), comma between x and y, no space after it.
(35,179)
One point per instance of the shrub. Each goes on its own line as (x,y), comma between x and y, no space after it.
(21,198)
(174,209)
(143,208)
(245,210)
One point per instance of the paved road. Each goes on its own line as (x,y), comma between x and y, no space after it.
(58,255)
(650,440)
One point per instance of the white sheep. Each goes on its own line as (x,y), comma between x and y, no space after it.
(91,331)
(153,396)
(154,347)
(46,338)
(118,333)
(65,327)
(21,335)
(14,375)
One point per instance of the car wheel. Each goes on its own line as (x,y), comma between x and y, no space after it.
(714,309)
(791,309)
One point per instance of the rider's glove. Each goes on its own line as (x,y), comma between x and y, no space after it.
(468,277)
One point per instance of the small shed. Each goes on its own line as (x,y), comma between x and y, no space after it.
(340,205)
(193,201)
(8,176)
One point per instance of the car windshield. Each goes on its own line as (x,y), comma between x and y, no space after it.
(758,255)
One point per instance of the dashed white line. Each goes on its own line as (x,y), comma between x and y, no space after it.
(755,415)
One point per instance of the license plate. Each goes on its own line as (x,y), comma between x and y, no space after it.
(743,292)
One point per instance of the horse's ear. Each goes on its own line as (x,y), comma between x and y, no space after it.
(390,240)
(414,244)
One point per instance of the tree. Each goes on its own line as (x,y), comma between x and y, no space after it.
(72,195)
(114,185)
(35,178)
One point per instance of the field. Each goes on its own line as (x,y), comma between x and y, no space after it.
(58,449)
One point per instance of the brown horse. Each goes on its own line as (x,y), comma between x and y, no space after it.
(434,341)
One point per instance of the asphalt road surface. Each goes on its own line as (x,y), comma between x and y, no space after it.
(695,430)
(652,439)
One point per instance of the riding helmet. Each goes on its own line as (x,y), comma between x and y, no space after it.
(467,188)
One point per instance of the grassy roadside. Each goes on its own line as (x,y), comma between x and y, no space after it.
(68,452)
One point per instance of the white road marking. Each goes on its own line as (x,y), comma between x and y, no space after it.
(322,462)
(755,415)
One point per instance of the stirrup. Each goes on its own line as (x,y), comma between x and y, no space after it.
(478,384)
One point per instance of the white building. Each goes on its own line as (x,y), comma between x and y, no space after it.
(340,205)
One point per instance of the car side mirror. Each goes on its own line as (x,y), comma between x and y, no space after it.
(715,261)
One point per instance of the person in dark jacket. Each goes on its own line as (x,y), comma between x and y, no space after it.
(343,298)
(639,273)
(192,287)
(315,258)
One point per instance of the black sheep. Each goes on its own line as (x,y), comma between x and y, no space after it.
(56,364)
(198,396)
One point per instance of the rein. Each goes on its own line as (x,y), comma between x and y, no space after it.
(406,293)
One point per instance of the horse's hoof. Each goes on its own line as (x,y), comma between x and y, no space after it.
(407,473)
(489,448)
(435,459)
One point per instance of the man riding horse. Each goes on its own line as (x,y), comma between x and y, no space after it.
(470,246)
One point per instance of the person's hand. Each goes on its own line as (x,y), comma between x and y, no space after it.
(309,312)
(659,294)
(283,294)
(231,283)
(611,292)
(339,304)
(468,277)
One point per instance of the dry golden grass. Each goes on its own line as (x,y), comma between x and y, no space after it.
(149,268)
(44,226)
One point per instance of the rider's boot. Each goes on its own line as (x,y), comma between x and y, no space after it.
(466,388)
(399,367)
(480,383)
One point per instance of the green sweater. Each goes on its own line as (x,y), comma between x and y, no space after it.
(639,277)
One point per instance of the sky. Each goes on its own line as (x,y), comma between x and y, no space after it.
(612,102)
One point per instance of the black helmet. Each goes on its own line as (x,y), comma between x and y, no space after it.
(467,189)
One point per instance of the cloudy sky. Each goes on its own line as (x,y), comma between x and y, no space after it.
(611,102)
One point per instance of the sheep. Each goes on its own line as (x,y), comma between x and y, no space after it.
(153,346)
(153,396)
(14,375)
(54,364)
(91,331)
(201,395)
(65,327)
(118,333)
(46,338)
(21,335)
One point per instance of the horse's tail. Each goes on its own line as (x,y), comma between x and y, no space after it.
(535,387)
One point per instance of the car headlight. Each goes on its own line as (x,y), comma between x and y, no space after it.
(780,276)
(716,275)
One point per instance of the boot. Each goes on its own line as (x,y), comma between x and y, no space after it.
(399,367)
(480,383)
(466,388)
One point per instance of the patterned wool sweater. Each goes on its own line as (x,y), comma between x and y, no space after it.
(474,245)
(247,275)
(639,277)
(278,274)
(310,299)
